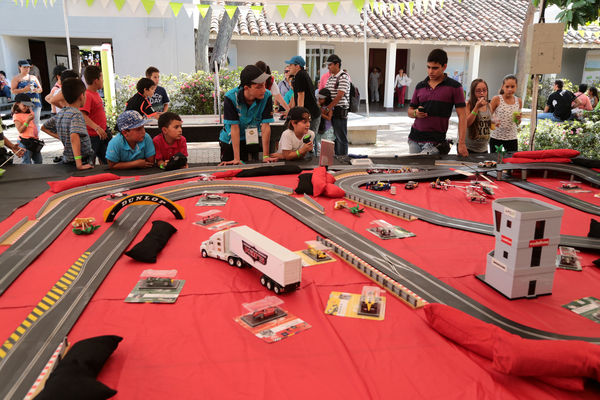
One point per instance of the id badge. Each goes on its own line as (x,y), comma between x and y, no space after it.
(252,135)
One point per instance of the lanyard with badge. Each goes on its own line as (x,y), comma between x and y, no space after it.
(251,134)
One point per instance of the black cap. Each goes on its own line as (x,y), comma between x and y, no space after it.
(334,59)
(252,74)
(24,63)
(23,99)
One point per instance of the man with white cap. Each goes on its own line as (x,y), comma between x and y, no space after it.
(133,147)
(247,113)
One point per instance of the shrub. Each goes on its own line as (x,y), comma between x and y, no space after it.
(583,136)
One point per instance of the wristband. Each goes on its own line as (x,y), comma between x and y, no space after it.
(25,124)
(415,113)
(298,153)
(265,157)
(77,157)
(161,166)
(474,112)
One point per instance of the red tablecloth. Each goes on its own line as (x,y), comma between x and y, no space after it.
(194,349)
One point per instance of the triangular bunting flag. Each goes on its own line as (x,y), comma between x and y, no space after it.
(230,11)
(161,6)
(597,34)
(119,4)
(441,3)
(257,10)
(402,6)
(189,9)
(424,6)
(359,4)
(203,8)
(15,1)
(411,7)
(175,7)
(89,2)
(334,6)
(26,3)
(283,9)
(35,3)
(148,5)
(581,32)
(133,5)
(308,9)
(372,5)
(392,8)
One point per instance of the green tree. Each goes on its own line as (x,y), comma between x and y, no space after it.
(575,12)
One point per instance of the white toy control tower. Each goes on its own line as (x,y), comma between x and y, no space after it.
(527,235)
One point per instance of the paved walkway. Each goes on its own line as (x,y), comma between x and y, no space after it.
(390,142)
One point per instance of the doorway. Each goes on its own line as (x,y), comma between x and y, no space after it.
(376,60)
(401,62)
(37,51)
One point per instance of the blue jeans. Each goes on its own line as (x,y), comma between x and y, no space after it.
(314,126)
(549,116)
(28,157)
(422,147)
(340,130)
(5,92)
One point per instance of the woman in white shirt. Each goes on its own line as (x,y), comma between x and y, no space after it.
(401,84)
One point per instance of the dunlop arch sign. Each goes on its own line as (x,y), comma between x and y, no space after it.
(143,199)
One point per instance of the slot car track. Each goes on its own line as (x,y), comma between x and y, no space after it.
(29,354)
(351,184)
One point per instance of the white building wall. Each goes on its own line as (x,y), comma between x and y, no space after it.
(495,63)
(166,43)
(572,65)
(274,53)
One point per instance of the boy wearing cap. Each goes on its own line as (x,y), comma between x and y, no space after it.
(70,126)
(133,147)
(247,112)
(304,91)
(339,85)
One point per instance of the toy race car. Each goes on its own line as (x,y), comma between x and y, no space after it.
(441,184)
(378,186)
(410,185)
(370,301)
(117,195)
(154,282)
(264,312)
(487,164)
(569,185)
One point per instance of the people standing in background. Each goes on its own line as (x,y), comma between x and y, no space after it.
(160,98)
(22,114)
(506,116)
(56,88)
(94,114)
(35,71)
(27,83)
(593,95)
(479,117)
(4,85)
(431,107)
(57,99)
(140,101)
(278,100)
(401,83)
(339,85)
(285,85)
(304,91)
(374,78)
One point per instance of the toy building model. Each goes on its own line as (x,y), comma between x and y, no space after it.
(527,235)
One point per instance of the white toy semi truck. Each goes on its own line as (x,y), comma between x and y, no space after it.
(242,246)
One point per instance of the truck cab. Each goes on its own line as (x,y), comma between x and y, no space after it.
(216,246)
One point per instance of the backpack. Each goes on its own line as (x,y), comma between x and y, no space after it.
(354,94)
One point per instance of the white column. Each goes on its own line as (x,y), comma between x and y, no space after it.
(474,56)
(301,48)
(390,76)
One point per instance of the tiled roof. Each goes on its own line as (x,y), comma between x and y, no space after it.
(488,21)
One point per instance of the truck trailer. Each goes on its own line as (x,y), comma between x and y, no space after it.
(242,246)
